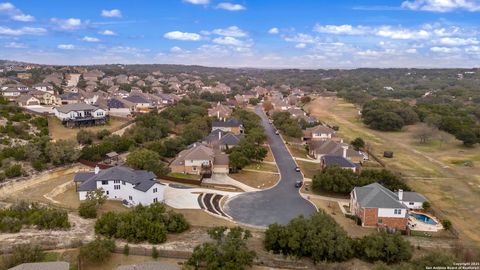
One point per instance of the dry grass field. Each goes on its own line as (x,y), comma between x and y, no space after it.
(435,169)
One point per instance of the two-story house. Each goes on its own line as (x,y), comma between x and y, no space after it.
(200,159)
(220,111)
(319,132)
(233,125)
(80,114)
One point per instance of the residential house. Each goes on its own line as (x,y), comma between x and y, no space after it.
(319,148)
(319,133)
(141,104)
(44,97)
(222,140)
(280,105)
(200,159)
(121,183)
(12,91)
(24,75)
(27,100)
(44,87)
(241,101)
(69,98)
(260,91)
(233,125)
(220,111)
(340,161)
(377,206)
(166,99)
(80,114)
(120,107)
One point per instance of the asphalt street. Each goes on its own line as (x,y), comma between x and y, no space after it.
(279,204)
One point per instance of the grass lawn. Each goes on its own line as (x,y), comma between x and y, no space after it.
(69,198)
(256,179)
(262,167)
(269,156)
(184,176)
(309,169)
(58,131)
(453,189)
(297,150)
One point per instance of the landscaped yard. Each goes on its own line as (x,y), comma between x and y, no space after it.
(256,179)
(431,169)
(309,169)
(58,131)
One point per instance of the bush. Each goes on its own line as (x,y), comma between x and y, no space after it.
(13,171)
(155,252)
(358,143)
(97,251)
(447,224)
(22,213)
(426,205)
(384,247)
(85,136)
(24,254)
(143,223)
(87,209)
(38,165)
(103,134)
(126,250)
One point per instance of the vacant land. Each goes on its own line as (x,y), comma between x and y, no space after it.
(58,131)
(256,179)
(429,168)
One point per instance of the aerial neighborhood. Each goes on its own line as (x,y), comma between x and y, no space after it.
(167,162)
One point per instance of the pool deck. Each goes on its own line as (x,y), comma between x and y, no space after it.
(417,225)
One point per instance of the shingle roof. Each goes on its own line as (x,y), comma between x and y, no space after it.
(230,123)
(196,152)
(230,139)
(377,196)
(76,107)
(329,160)
(142,180)
(319,129)
(42,266)
(413,197)
(329,147)
(137,99)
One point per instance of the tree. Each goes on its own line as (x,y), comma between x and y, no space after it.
(97,251)
(305,99)
(447,224)
(126,250)
(253,101)
(144,159)
(424,133)
(24,254)
(87,209)
(228,251)
(103,133)
(468,137)
(155,252)
(384,247)
(13,171)
(62,152)
(358,143)
(85,136)
(267,106)
(426,205)
(434,260)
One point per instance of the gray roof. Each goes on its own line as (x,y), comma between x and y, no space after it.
(413,197)
(142,180)
(137,99)
(230,139)
(42,266)
(330,160)
(230,123)
(377,196)
(226,138)
(76,107)
(149,266)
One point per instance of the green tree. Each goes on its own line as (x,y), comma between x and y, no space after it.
(468,137)
(384,247)
(97,251)
(228,251)
(62,152)
(155,252)
(85,136)
(358,143)
(126,250)
(144,159)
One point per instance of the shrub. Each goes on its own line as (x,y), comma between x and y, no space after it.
(103,133)
(38,165)
(22,213)
(384,247)
(87,209)
(126,250)
(13,171)
(155,252)
(85,136)
(426,205)
(24,254)
(447,224)
(97,251)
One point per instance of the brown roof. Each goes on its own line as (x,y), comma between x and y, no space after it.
(197,152)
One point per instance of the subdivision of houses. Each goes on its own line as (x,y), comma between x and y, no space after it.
(377,206)
(233,125)
(80,114)
(121,183)
(12,91)
(200,159)
(220,111)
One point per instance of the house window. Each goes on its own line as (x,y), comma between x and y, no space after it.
(194,168)
(411,203)
(104,182)
(397,211)
(107,192)
(116,187)
(380,221)
(155,190)
(130,198)
(116,181)
(123,182)
(155,200)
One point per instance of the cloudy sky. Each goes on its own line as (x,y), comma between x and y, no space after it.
(244,33)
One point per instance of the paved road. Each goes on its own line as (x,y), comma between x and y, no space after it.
(279,204)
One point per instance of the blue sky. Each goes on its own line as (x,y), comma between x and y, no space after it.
(244,33)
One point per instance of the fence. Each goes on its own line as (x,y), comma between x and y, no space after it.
(181,180)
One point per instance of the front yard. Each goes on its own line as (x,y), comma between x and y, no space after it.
(256,179)
(309,169)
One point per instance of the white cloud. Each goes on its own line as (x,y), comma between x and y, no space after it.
(182,36)
(301,38)
(401,33)
(90,39)
(444,49)
(107,33)
(176,49)
(274,31)
(15,45)
(411,50)
(197,2)
(442,5)
(232,31)
(300,45)
(66,46)
(473,49)
(369,53)
(22,31)
(112,13)
(68,24)
(449,41)
(228,41)
(344,29)
(14,13)
(230,6)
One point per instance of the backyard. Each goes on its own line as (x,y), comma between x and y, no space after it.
(435,169)
(58,131)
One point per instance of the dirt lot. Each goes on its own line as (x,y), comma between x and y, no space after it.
(259,180)
(58,131)
(429,168)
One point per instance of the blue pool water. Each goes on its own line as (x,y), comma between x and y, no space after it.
(425,219)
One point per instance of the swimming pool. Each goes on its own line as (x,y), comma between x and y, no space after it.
(424,218)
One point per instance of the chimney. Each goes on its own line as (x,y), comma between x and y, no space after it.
(219,134)
(345,148)
(400,194)
(218,114)
(97,169)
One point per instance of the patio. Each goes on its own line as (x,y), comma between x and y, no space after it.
(417,225)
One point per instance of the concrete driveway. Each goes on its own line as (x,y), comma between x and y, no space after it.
(279,204)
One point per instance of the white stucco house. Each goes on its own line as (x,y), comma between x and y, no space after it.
(122,183)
